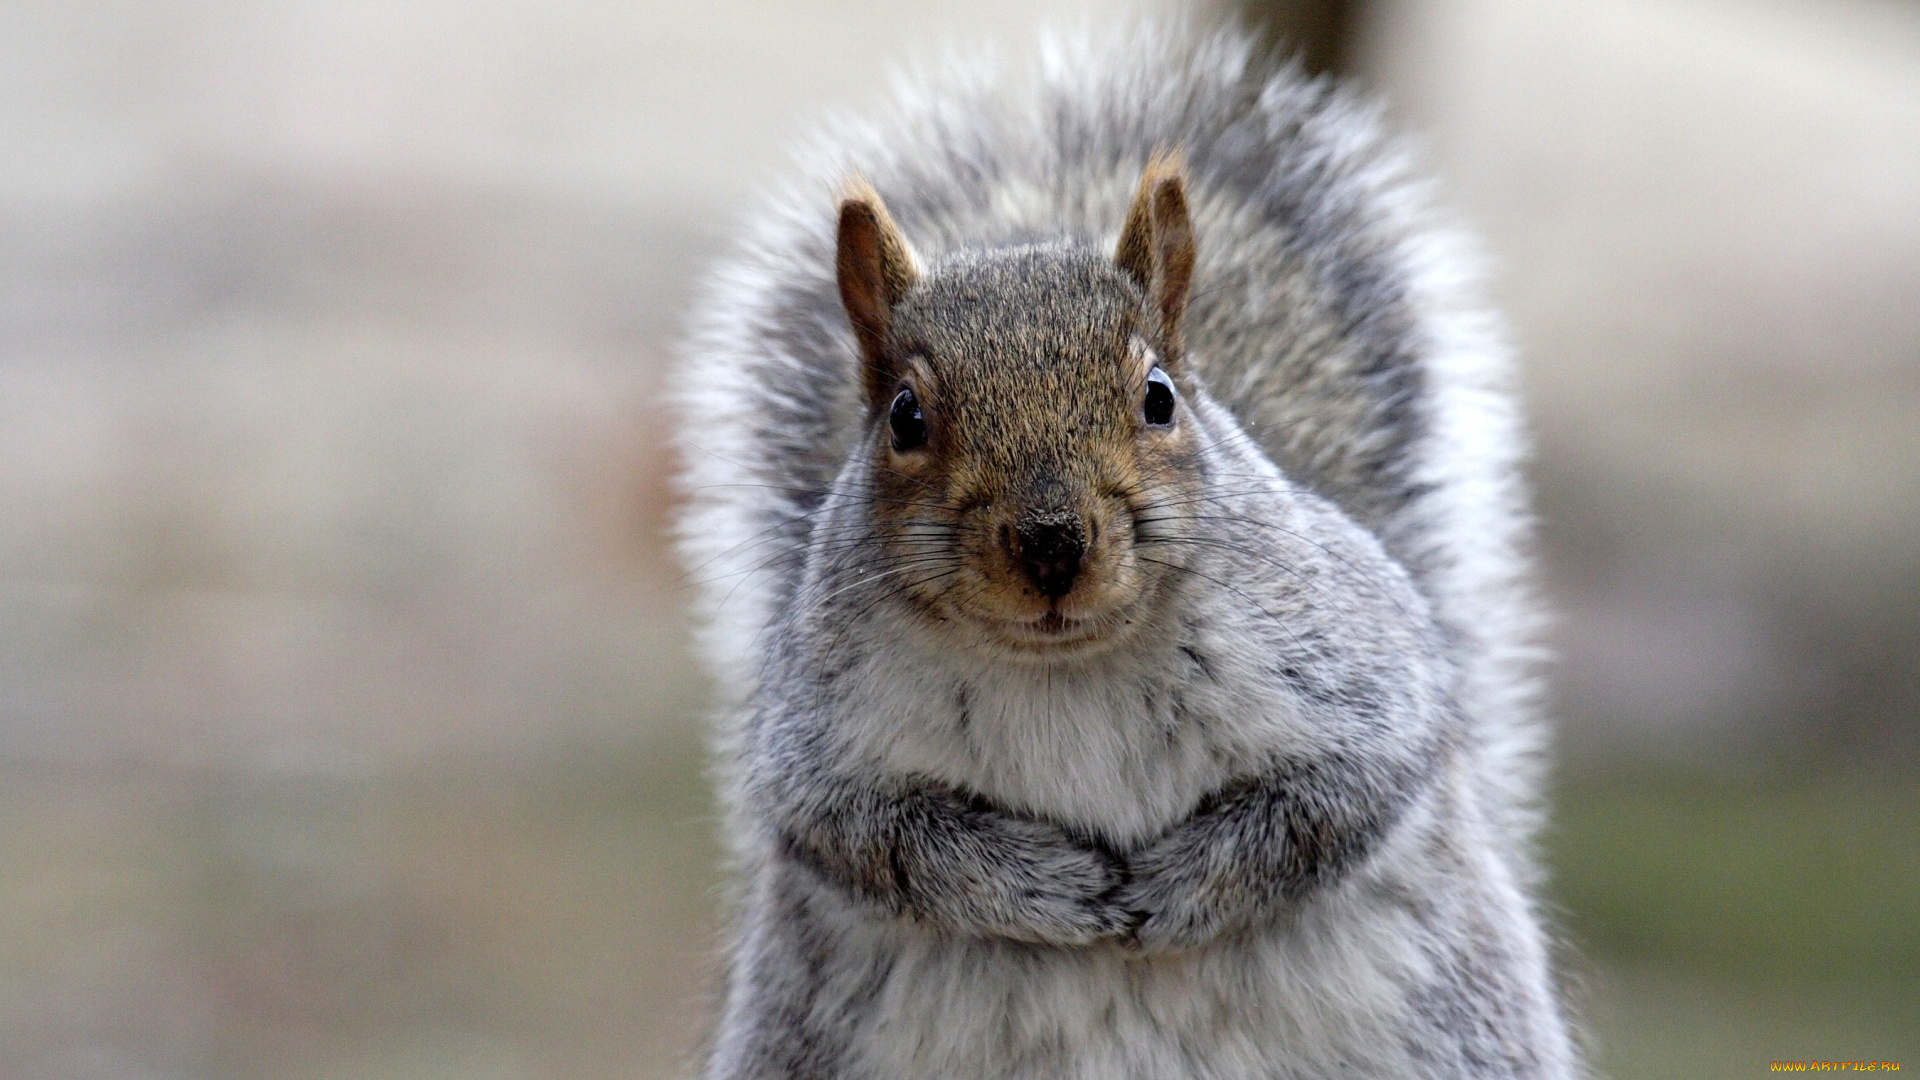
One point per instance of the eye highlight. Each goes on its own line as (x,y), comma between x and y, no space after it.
(1157,409)
(908,425)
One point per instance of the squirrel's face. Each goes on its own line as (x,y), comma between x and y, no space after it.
(1033,449)
(1033,462)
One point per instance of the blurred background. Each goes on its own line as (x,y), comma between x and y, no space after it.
(347,722)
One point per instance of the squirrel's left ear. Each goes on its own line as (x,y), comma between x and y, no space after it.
(1156,246)
(876,268)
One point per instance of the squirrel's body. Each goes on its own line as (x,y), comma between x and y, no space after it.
(1071,740)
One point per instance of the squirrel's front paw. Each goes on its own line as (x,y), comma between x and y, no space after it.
(1046,886)
(1176,901)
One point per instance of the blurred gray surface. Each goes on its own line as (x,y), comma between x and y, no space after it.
(331,344)
(1705,221)
(346,717)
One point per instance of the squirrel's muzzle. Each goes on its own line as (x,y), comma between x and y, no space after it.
(1049,547)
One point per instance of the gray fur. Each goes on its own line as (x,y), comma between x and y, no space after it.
(1276,821)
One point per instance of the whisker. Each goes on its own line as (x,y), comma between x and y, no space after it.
(1257,606)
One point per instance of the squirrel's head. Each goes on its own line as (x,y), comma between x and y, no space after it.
(1032,452)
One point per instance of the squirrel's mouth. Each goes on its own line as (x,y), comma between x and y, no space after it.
(1052,632)
(1015,619)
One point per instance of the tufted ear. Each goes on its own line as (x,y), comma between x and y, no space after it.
(1156,246)
(876,268)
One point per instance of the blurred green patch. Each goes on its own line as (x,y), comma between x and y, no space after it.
(1719,925)
(523,922)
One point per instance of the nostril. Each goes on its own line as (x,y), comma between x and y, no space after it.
(1050,549)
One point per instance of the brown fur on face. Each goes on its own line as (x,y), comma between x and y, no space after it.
(1030,368)
(1042,507)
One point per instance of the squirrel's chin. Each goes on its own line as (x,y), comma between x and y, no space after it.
(1054,635)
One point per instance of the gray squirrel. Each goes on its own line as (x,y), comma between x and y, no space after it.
(1104,489)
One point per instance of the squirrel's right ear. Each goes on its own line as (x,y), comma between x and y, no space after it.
(1156,246)
(876,268)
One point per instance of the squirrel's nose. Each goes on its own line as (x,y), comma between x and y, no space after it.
(1049,548)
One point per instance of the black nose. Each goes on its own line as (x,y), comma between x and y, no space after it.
(1049,547)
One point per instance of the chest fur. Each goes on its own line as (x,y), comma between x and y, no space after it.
(1122,749)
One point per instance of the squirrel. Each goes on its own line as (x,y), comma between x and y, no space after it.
(1114,574)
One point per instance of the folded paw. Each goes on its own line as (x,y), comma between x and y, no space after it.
(1177,899)
(1034,881)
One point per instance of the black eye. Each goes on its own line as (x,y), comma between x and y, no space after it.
(909,427)
(1158,408)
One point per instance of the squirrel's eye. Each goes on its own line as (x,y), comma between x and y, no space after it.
(1158,408)
(909,427)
